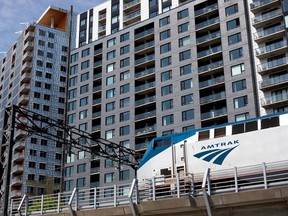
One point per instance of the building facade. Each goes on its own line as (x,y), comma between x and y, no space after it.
(33,76)
(144,69)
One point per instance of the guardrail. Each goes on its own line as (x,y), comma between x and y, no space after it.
(174,186)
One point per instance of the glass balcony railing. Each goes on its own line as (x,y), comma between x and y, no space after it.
(209,51)
(102,16)
(94,170)
(206,9)
(144,73)
(212,81)
(272,64)
(102,28)
(144,130)
(268,31)
(145,100)
(98,51)
(274,80)
(97,88)
(208,37)
(214,113)
(145,115)
(97,63)
(96,101)
(260,3)
(97,75)
(96,127)
(144,59)
(143,46)
(96,114)
(212,97)
(271,47)
(268,16)
(143,145)
(210,66)
(132,15)
(274,99)
(131,3)
(207,23)
(145,86)
(144,33)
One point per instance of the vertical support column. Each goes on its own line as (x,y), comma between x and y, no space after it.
(115,195)
(58,202)
(236,179)
(26,205)
(265,175)
(153,189)
(42,204)
(95,198)
(192,185)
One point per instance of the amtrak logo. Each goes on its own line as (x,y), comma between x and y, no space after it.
(217,155)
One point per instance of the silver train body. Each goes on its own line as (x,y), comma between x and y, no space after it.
(238,144)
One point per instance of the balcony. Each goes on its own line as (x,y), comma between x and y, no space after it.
(262,5)
(141,146)
(270,33)
(131,4)
(27,66)
(131,15)
(144,46)
(28,46)
(18,157)
(96,101)
(145,130)
(214,113)
(206,9)
(260,21)
(144,33)
(97,76)
(29,36)
(144,73)
(96,114)
(207,23)
(272,65)
(145,115)
(27,56)
(17,169)
(94,184)
(210,67)
(94,169)
(212,97)
(144,59)
(97,63)
(208,37)
(209,51)
(279,99)
(211,82)
(268,50)
(272,82)
(23,99)
(96,128)
(101,28)
(16,181)
(144,86)
(97,88)
(15,193)
(25,78)
(98,51)
(19,146)
(24,88)
(102,17)
(146,100)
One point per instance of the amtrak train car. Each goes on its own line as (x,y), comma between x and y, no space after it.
(245,143)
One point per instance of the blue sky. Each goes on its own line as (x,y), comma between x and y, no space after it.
(14,12)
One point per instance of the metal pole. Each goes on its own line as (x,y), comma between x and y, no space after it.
(95,198)
(153,189)
(236,179)
(178,184)
(115,195)
(265,175)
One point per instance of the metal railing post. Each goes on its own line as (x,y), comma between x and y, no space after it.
(26,205)
(207,203)
(95,198)
(58,202)
(11,206)
(153,189)
(115,195)
(192,185)
(178,184)
(265,175)
(236,179)
(42,203)
(75,192)
(130,196)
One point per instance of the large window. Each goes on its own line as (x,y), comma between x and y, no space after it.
(165,48)
(235,54)
(187,99)
(125,130)
(237,69)
(231,9)
(168,104)
(167,120)
(240,102)
(185,55)
(182,14)
(235,38)
(188,115)
(166,90)
(239,85)
(164,21)
(186,84)
(183,27)
(165,34)
(166,75)
(232,24)
(165,61)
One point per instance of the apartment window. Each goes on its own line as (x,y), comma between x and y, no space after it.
(109,134)
(84,76)
(111,42)
(165,61)
(81,155)
(37,95)
(110,106)
(124,88)
(235,54)
(124,102)
(124,49)
(72,106)
(124,37)
(166,75)
(33,140)
(40,53)
(83,127)
(183,27)
(69,171)
(188,115)
(39,63)
(164,21)
(125,130)
(188,128)
(110,80)
(124,75)
(83,101)
(115,19)
(110,93)
(231,9)
(46,108)
(182,14)
(186,69)
(44,142)
(125,143)
(39,73)
(108,178)
(72,81)
(239,85)
(85,64)
(68,185)
(83,22)
(165,34)
(41,32)
(80,182)
(184,41)
(81,168)
(237,69)
(111,67)
(62,79)
(73,69)
(186,84)
(31,177)
(187,99)
(33,152)
(41,43)
(49,65)
(74,58)
(32,164)
(46,97)
(167,120)
(124,175)
(240,102)
(109,120)
(111,54)
(232,24)
(64,58)
(85,52)
(242,117)
(185,55)
(165,48)
(83,114)
(71,118)
(168,132)
(125,116)
(235,38)
(50,35)
(168,104)
(36,106)
(43,154)
(50,45)
(84,89)
(166,90)
(108,163)
(42,166)
(125,62)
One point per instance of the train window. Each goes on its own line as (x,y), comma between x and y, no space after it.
(203,135)
(238,128)
(165,172)
(270,122)
(219,132)
(161,143)
(251,126)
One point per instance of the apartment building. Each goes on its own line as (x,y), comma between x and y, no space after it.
(33,76)
(144,69)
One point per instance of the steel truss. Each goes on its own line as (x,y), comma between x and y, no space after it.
(17,119)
